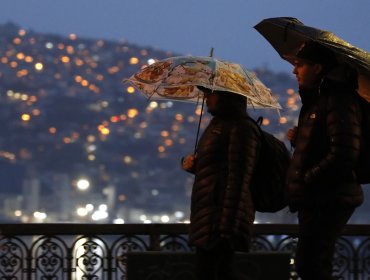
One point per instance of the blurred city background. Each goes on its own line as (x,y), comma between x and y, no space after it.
(78,145)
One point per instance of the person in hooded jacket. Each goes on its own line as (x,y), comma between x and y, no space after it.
(321,182)
(222,211)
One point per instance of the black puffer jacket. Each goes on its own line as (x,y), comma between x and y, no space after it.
(221,203)
(327,148)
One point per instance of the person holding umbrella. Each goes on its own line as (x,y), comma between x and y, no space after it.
(222,211)
(321,183)
(225,157)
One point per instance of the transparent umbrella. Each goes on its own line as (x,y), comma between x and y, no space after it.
(179,78)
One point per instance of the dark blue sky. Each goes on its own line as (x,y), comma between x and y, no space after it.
(191,26)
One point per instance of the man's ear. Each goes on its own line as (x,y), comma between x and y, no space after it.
(318,68)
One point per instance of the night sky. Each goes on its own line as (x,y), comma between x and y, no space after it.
(192,26)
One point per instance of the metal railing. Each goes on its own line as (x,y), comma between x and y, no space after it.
(99,251)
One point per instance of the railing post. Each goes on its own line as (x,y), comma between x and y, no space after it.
(355,265)
(155,242)
(110,259)
(69,268)
(29,269)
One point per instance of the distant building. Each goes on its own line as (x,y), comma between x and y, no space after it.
(31,195)
(62,195)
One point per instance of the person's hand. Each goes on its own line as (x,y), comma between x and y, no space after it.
(188,162)
(292,135)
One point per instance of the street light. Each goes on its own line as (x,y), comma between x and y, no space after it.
(83,184)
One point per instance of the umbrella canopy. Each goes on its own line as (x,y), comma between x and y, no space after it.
(178,78)
(287,35)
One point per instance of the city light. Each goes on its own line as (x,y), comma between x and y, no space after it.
(130,89)
(91,138)
(17,41)
(132,113)
(168,142)
(151,61)
(91,157)
(22,32)
(127,159)
(265,122)
(198,111)
(7,155)
(165,219)
(49,45)
(28,59)
(18,213)
(114,119)
(83,184)
(103,207)
(165,133)
(99,215)
(72,36)
(283,120)
(143,217)
(89,207)
(153,104)
(118,221)
(26,117)
(84,83)
(13,64)
(39,66)
(20,56)
(82,212)
(290,91)
(91,148)
(39,215)
(52,130)
(144,125)
(134,60)
(36,112)
(179,214)
(179,117)
(104,131)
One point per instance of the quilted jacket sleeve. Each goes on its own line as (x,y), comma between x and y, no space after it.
(343,133)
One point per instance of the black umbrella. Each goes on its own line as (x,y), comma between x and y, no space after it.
(287,35)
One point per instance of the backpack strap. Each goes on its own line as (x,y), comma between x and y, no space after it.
(258,123)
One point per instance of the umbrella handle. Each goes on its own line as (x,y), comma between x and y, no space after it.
(201,113)
(200,120)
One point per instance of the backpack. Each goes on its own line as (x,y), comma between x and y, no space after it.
(362,169)
(268,185)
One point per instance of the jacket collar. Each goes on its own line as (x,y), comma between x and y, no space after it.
(326,86)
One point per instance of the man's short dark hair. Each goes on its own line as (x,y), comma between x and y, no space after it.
(316,53)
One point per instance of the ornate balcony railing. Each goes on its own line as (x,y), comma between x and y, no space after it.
(96,251)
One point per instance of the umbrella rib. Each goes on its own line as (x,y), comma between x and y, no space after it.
(251,83)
